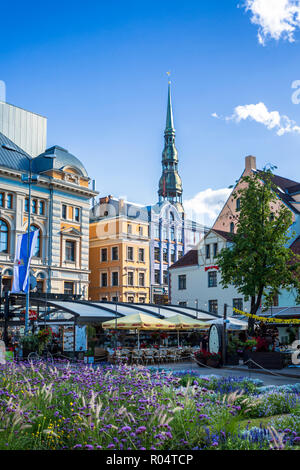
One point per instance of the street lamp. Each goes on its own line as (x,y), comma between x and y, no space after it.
(0,292)
(28,179)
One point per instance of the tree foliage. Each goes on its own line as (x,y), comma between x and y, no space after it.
(259,262)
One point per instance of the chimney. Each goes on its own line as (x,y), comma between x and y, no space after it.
(250,163)
(121,206)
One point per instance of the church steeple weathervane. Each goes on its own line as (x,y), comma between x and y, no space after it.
(170,185)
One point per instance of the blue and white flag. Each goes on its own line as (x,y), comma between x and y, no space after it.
(22,261)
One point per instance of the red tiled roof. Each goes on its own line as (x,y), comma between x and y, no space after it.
(295,246)
(287,186)
(189,259)
(227,235)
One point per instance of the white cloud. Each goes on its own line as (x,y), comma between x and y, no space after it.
(260,113)
(205,206)
(277,19)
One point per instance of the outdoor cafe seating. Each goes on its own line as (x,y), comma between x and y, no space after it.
(151,356)
(140,322)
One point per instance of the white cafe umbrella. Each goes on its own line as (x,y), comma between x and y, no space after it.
(231,323)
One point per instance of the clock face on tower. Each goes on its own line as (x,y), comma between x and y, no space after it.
(214,341)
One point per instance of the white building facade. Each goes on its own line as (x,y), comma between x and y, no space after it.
(195,280)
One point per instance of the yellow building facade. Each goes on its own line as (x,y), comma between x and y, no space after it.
(119,258)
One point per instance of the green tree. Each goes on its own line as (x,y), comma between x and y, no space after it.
(258,262)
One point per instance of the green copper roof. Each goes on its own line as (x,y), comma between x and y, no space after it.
(169,120)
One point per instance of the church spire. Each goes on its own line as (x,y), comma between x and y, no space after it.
(170,185)
(169,120)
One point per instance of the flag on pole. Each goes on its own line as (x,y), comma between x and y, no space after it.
(22,261)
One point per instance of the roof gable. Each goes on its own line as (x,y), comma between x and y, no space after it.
(189,259)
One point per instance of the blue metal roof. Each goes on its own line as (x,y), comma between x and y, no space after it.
(15,158)
(12,156)
(57,158)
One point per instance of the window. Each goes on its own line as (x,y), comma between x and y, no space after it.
(104,255)
(212,279)
(215,249)
(115,278)
(70,250)
(129,228)
(141,279)
(157,276)
(34,206)
(156,231)
(232,227)
(115,299)
(182,304)
(238,205)
(64,211)
(130,278)
(156,253)
(237,303)
(3,237)
(1,199)
(103,279)
(104,299)
(172,233)
(130,253)
(40,282)
(115,253)
(37,251)
(165,277)
(141,231)
(9,201)
(69,288)
(207,248)
(41,207)
(141,254)
(172,255)
(142,300)
(26,204)
(182,282)
(130,299)
(213,306)
(77,214)
(165,234)
(165,254)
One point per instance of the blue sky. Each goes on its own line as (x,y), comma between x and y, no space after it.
(97,71)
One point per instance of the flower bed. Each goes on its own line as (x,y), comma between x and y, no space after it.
(127,408)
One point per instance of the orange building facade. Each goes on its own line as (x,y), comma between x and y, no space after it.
(119,260)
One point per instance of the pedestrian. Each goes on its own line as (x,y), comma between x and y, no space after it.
(204,343)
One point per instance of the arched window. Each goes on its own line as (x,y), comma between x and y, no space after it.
(172,218)
(40,282)
(3,237)
(232,227)
(37,251)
